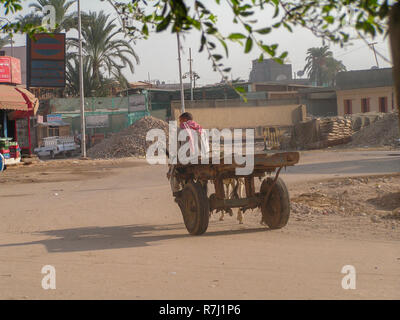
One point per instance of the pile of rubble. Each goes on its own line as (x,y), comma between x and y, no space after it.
(129,143)
(383,132)
(377,198)
(304,209)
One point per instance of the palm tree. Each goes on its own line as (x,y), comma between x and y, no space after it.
(32,19)
(72,77)
(64,21)
(333,67)
(316,63)
(92,88)
(107,53)
(322,67)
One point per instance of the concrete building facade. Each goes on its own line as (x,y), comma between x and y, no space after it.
(366,91)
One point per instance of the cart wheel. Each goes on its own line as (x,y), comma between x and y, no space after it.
(195,208)
(276,209)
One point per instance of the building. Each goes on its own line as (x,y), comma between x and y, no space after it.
(365,91)
(18,106)
(320,102)
(269,70)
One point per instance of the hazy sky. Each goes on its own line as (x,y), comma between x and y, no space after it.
(158,55)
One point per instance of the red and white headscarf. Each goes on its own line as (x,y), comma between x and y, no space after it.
(189,126)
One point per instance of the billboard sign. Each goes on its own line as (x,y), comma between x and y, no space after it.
(10,70)
(54,118)
(137,102)
(98,121)
(46,60)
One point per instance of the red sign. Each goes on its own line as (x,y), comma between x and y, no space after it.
(10,70)
(48,47)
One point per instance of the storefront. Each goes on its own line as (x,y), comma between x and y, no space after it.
(18,108)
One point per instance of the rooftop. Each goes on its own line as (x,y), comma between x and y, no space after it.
(365,79)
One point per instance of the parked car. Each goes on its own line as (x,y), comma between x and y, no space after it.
(53,146)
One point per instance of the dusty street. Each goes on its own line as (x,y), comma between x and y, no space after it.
(112,231)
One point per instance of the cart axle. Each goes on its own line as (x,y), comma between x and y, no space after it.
(218,204)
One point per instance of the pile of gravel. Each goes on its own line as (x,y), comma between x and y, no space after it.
(383,132)
(129,143)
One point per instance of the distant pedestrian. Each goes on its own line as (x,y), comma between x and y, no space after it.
(2,163)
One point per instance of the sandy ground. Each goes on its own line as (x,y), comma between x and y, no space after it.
(112,231)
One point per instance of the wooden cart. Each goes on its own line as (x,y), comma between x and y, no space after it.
(273,197)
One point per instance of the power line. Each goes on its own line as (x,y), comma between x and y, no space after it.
(373,48)
(351,51)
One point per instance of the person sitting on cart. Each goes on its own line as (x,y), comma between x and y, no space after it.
(186,122)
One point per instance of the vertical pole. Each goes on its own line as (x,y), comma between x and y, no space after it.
(180,75)
(5,125)
(29,135)
(373,48)
(81,87)
(12,45)
(191,74)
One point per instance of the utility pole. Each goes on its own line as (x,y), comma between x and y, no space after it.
(191,74)
(373,48)
(12,45)
(180,74)
(81,85)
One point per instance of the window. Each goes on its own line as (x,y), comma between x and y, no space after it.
(54,132)
(365,105)
(383,104)
(348,107)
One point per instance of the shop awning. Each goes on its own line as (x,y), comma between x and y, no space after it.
(17,99)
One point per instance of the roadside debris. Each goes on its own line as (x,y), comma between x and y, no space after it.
(375,198)
(383,132)
(129,143)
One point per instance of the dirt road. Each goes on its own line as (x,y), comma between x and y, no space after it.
(111,230)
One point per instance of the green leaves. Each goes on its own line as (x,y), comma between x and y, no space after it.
(236,36)
(11,6)
(164,23)
(249,45)
(264,30)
